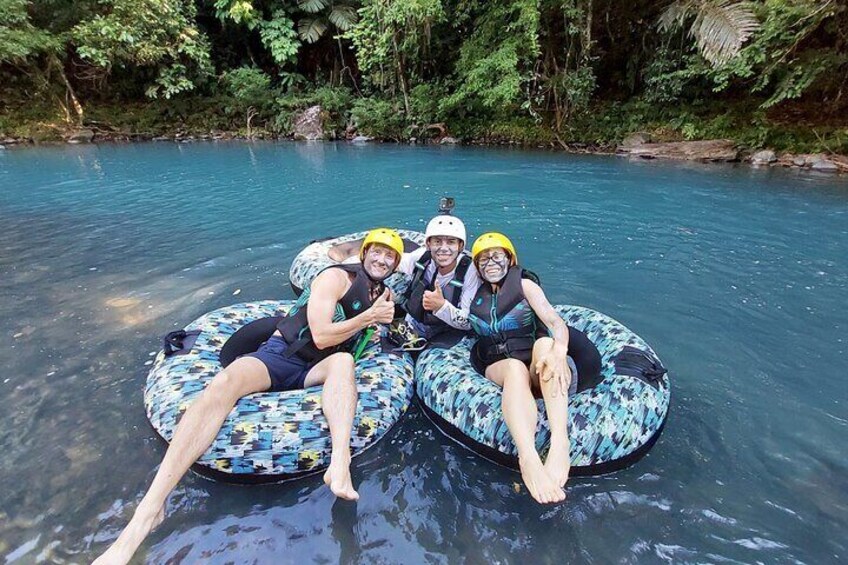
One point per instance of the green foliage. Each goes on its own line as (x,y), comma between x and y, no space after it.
(392,40)
(378,118)
(425,103)
(533,71)
(673,74)
(720,27)
(249,86)
(496,60)
(324,13)
(279,36)
(19,38)
(237,11)
(775,64)
(160,34)
(373,44)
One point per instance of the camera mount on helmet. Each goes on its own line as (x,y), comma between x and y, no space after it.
(446,205)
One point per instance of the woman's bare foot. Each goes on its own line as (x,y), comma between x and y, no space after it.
(541,486)
(141,524)
(558,463)
(338,479)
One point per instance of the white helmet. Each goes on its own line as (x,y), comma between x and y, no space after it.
(446,225)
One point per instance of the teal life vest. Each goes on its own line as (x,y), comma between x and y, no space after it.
(504,322)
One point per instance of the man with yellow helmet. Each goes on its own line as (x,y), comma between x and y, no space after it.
(311,346)
(513,320)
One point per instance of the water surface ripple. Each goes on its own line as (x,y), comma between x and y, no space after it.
(737,277)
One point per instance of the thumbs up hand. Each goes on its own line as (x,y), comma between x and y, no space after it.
(433,299)
(383,309)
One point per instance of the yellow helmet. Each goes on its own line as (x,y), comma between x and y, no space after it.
(491,240)
(386,236)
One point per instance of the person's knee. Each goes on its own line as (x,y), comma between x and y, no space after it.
(342,360)
(341,364)
(222,387)
(515,371)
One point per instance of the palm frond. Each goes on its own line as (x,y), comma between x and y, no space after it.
(675,15)
(721,27)
(343,17)
(310,30)
(312,6)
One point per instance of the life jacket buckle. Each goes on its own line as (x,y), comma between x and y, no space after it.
(502,348)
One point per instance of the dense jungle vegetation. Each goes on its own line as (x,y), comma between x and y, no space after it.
(764,73)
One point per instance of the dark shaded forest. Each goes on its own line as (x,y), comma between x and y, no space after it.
(770,73)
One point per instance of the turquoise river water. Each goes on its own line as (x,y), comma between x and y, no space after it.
(737,277)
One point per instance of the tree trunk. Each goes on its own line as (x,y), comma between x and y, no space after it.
(71,95)
(401,73)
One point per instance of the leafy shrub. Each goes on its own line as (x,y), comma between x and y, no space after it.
(249,86)
(379,118)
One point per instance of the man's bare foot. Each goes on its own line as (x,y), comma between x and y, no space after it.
(541,486)
(558,463)
(140,526)
(338,479)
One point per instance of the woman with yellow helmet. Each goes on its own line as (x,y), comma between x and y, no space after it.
(513,321)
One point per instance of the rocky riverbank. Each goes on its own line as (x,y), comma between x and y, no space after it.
(308,126)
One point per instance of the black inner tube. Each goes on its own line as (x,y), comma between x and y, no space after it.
(247,339)
(586,357)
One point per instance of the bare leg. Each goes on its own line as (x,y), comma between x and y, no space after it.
(558,463)
(194,434)
(519,409)
(338,401)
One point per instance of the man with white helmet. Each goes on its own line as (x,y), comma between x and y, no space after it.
(443,281)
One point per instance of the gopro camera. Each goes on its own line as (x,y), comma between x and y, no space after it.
(446,204)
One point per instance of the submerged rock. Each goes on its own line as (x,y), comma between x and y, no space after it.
(710,150)
(309,124)
(764,157)
(362,139)
(448,140)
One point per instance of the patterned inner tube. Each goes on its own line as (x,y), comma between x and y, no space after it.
(274,436)
(611,425)
(323,253)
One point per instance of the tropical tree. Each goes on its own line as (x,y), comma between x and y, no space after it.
(392,40)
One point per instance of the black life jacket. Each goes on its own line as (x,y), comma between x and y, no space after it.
(504,321)
(294,327)
(442,334)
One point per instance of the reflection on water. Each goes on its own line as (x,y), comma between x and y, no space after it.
(737,277)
